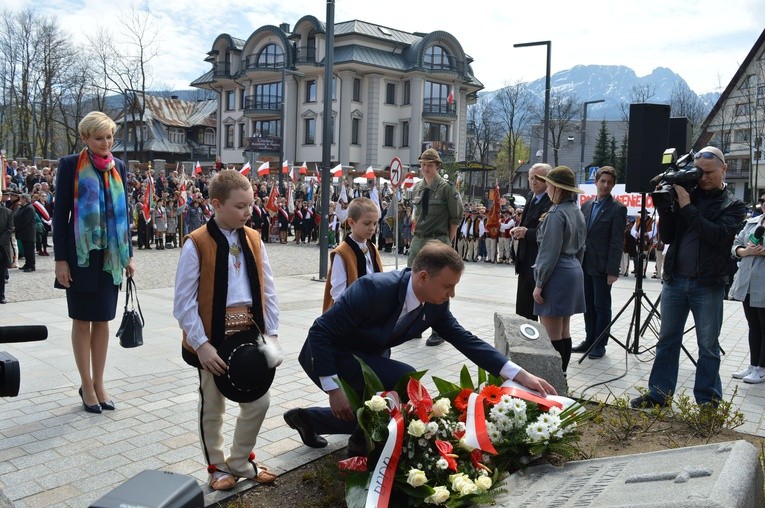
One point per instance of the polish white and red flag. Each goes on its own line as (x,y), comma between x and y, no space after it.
(293,177)
(264,169)
(246,168)
(370,174)
(450,99)
(337,170)
(285,167)
(303,169)
(198,168)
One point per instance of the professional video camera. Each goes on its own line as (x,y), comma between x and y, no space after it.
(10,373)
(681,172)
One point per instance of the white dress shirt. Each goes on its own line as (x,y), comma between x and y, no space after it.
(339,278)
(186,307)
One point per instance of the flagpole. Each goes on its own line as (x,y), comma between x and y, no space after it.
(326,145)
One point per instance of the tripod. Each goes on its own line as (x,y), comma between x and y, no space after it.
(638,299)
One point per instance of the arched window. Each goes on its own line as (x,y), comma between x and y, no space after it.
(271,56)
(437,58)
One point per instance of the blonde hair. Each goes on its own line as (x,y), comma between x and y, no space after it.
(225,181)
(94,123)
(360,207)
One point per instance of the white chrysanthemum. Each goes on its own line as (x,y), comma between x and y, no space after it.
(555,411)
(376,403)
(442,463)
(439,496)
(506,399)
(432,427)
(416,478)
(416,428)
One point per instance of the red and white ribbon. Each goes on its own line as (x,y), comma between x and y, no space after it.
(476,435)
(381,481)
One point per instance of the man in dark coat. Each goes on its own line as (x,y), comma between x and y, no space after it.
(602,256)
(24,223)
(526,234)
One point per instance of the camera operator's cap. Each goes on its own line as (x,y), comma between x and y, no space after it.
(710,149)
(430,155)
(563,178)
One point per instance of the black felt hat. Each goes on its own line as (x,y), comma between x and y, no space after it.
(248,376)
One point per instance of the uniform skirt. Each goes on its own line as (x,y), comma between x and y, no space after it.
(564,291)
(100,305)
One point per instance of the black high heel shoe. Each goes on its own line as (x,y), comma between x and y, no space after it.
(95,408)
(107,406)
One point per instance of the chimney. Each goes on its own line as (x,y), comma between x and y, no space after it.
(285,27)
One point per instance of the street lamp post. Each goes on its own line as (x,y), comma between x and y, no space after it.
(285,71)
(584,134)
(547,90)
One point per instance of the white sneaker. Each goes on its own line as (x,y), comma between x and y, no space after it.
(756,376)
(743,373)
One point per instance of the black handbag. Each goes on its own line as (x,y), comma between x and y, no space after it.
(130,331)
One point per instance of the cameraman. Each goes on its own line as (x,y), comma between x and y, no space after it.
(699,228)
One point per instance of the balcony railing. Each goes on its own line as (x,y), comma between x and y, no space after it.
(222,70)
(251,64)
(439,108)
(306,54)
(270,104)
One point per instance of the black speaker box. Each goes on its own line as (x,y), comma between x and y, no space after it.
(648,138)
(680,134)
(155,489)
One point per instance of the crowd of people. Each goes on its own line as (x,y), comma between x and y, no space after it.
(566,259)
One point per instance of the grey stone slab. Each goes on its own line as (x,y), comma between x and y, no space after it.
(722,475)
(527,344)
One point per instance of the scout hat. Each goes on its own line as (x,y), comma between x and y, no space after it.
(430,155)
(563,178)
(248,376)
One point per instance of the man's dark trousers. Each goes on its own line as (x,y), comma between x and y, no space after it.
(597,315)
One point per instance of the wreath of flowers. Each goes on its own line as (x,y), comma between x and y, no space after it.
(454,449)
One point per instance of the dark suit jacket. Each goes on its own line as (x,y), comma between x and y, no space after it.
(605,238)
(364,319)
(6,228)
(83,279)
(527,246)
(24,223)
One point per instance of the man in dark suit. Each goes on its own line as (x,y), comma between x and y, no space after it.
(6,253)
(603,251)
(376,313)
(526,234)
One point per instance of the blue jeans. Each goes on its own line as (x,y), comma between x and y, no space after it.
(678,297)
(597,316)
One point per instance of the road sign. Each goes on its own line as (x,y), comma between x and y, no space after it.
(396,172)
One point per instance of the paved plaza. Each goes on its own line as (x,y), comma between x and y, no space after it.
(52,453)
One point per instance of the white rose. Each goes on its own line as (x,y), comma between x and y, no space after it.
(458,481)
(483,482)
(416,428)
(439,495)
(468,488)
(416,478)
(376,403)
(441,407)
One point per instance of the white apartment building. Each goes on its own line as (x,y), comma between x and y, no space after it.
(391,94)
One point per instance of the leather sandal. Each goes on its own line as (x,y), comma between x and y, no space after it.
(222,481)
(264,475)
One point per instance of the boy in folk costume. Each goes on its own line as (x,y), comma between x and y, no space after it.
(357,255)
(224,299)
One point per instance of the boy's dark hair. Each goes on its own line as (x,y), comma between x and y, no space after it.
(361,206)
(226,181)
(436,255)
(607,170)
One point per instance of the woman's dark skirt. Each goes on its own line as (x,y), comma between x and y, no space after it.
(98,306)
(564,291)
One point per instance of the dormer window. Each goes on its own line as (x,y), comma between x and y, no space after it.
(437,58)
(271,56)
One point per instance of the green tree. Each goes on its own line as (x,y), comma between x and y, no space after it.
(602,157)
(612,152)
(506,168)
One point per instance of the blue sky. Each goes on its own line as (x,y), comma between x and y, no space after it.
(704,41)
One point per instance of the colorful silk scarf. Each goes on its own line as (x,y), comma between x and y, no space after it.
(100,213)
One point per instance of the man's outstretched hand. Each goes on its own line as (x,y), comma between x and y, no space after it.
(534,383)
(339,404)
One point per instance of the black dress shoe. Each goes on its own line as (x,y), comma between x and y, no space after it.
(107,406)
(3,300)
(582,347)
(434,340)
(298,420)
(29,269)
(95,408)
(646,401)
(597,353)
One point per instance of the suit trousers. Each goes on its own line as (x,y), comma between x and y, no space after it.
(212,407)
(524,302)
(29,253)
(597,316)
(388,370)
